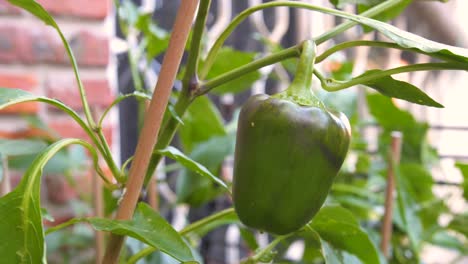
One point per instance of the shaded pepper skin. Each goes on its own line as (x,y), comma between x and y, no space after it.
(286,159)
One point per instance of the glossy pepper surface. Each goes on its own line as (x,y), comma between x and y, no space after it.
(289,148)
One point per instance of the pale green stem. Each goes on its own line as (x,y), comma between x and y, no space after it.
(328,35)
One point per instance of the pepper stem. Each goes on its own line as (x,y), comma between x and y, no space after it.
(299,91)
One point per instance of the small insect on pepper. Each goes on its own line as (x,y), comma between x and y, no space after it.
(289,149)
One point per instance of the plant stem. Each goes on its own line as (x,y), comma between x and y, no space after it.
(382,44)
(138,95)
(255,258)
(87,130)
(84,101)
(168,133)
(141,254)
(334,85)
(328,35)
(153,120)
(291,52)
(200,223)
(195,44)
(109,157)
(172,124)
(299,90)
(190,82)
(371,12)
(205,221)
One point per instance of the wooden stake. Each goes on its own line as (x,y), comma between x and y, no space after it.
(152,122)
(394,160)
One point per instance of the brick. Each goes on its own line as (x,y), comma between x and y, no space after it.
(98,91)
(43,45)
(8,49)
(91,9)
(8,9)
(37,45)
(90,49)
(27,133)
(68,128)
(26,82)
(40,45)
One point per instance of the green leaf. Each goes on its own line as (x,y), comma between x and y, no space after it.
(194,189)
(344,72)
(10,96)
(399,89)
(336,256)
(459,223)
(313,250)
(444,239)
(407,207)
(387,15)
(18,147)
(249,238)
(229,59)
(391,118)
(464,170)
(180,157)
(66,160)
(408,40)
(21,211)
(150,228)
(418,180)
(36,9)
(201,122)
(338,227)
(157,39)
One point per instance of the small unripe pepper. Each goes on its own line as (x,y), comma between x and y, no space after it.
(289,148)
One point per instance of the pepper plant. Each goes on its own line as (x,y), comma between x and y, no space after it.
(332,234)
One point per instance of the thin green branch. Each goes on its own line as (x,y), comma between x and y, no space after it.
(291,52)
(119,99)
(190,79)
(88,131)
(328,35)
(183,102)
(84,101)
(380,44)
(170,128)
(103,146)
(195,44)
(63,225)
(255,258)
(205,221)
(334,85)
(108,156)
(141,254)
(371,12)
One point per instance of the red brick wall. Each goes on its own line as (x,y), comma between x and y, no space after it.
(33,58)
